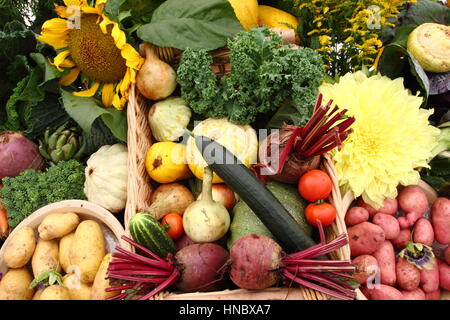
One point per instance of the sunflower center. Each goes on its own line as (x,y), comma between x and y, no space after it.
(95,53)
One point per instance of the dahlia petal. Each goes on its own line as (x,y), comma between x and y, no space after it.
(89,92)
(69,78)
(108,94)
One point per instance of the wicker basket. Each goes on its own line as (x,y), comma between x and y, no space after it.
(140,188)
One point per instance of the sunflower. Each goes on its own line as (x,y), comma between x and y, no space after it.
(88,43)
(391,136)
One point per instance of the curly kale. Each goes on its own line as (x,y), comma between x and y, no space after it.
(31,190)
(264,74)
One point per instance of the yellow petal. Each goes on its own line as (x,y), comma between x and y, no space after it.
(88,9)
(60,58)
(55,25)
(57,42)
(69,78)
(72,2)
(125,83)
(62,11)
(132,57)
(116,102)
(108,94)
(89,92)
(118,36)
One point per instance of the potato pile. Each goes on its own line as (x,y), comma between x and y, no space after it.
(74,248)
(378,236)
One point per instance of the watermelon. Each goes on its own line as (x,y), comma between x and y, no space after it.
(148,232)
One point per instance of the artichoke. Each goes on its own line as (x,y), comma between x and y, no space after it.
(61,144)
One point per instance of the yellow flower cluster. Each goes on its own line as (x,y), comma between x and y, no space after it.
(391,136)
(348,31)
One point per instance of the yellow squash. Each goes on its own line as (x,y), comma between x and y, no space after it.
(166,162)
(276,18)
(246,12)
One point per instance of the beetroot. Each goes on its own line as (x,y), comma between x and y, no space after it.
(196,267)
(258,262)
(298,149)
(17,154)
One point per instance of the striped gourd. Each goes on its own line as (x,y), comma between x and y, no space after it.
(148,232)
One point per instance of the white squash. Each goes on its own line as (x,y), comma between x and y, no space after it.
(107,176)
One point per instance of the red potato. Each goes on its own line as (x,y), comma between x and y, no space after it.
(365,238)
(429,278)
(366,267)
(416,294)
(435,295)
(365,291)
(371,210)
(423,232)
(444,275)
(408,276)
(403,237)
(389,224)
(447,255)
(385,256)
(440,218)
(390,206)
(356,215)
(385,292)
(414,203)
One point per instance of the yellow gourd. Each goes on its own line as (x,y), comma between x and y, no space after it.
(241,140)
(166,162)
(246,12)
(276,18)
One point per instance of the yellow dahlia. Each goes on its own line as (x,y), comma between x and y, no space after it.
(89,43)
(391,136)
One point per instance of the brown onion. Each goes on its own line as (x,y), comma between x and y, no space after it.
(17,154)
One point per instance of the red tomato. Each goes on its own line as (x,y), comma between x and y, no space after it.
(173,223)
(324,212)
(314,185)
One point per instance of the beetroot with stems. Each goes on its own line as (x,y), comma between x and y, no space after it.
(197,267)
(17,153)
(258,262)
(299,148)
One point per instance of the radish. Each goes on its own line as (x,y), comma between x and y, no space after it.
(300,147)
(17,154)
(197,267)
(258,262)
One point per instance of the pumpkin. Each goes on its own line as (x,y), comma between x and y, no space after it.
(241,140)
(107,176)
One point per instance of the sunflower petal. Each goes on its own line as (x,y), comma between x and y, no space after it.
(69,78)
(69,3)
(117,102)
(132,57)
(125,83)
(56,41)
(55,25)
(118,36)
(104,24)
(108,94)
(89,92)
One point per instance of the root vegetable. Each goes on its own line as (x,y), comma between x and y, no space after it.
(447,255)
(366,267)
(423,232)
(365,238)
(258,262)
(197,267)
(371,210)
(388,223)
(385,292)
(408,276)
(156,80)
(414,202)
(401,240)
(356,215)
(170,198)
(435,295)
(444,275)
(206,220)
(440,218)
(390,206)
(299,148)
(429,278)
(385,256)
(416,294)
(17,154)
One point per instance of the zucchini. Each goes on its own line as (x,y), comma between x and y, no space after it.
(148,232)
(288,233)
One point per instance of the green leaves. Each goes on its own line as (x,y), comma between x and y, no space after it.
(86,110)
(196,24)
(138,10)
(47,278)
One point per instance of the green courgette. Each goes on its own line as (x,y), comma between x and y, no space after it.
(288,233)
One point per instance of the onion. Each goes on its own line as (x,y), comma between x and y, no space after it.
(299,148)
(17,154)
